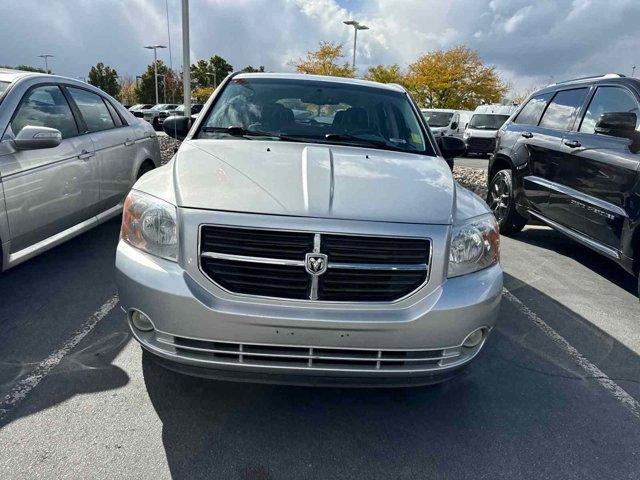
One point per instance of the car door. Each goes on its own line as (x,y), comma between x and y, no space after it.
(47,190)
(549,167)
(114,142)
(532,147)
(601,169)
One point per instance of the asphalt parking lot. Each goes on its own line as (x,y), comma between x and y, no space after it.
(554,394)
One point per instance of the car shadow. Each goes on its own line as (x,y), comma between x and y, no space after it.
(45,303)
(508,410)
(550,239)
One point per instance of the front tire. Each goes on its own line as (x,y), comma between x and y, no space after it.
(501,200)
(146,167)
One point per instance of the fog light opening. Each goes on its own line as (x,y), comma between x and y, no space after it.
(475,338)
(141,321)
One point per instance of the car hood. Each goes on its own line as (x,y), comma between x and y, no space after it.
(311,180)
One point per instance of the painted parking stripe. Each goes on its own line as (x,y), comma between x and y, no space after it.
(20,391)
(589,368)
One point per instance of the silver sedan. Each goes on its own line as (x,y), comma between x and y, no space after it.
(69,153)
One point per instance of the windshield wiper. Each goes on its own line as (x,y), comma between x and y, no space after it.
(243,132)
(371,141)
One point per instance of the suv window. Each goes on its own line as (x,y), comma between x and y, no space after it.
(93,110)
(560,112)
(532,111)
(45,106)
(608,100)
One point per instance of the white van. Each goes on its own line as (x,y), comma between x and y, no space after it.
(445,121)
(480,134)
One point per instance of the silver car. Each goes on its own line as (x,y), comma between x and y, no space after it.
(69,154)
(309,231)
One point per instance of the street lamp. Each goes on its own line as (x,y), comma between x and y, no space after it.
(155,64)
(164,83)
(46,62)
(356,26)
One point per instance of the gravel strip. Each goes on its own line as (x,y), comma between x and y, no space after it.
(474,179)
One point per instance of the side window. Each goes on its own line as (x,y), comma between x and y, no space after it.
(561,110)
(608,100)
(45,106)
(93,110)
(532,111)
(114,114)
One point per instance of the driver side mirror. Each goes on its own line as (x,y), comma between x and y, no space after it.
(617,124)
(177,126)
(36,137)
(451,147)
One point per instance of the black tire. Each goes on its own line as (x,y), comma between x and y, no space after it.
(501,200)
(155,124)
(146,167)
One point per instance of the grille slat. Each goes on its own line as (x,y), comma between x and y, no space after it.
(310,357)
(271,263)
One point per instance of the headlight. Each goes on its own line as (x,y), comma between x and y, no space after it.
(475,245)
(151,225)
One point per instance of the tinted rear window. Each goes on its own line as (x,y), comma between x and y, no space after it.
(562,109)
(532,111)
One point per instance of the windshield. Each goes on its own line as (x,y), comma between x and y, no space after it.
(315,111)
(487,121)
(437,119)
(3,87)
(160,106)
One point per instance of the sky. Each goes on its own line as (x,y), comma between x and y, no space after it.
(531,43)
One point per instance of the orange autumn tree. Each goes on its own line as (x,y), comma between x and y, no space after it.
(327,60)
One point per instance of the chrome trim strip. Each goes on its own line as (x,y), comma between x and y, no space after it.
(248,259)
(578,237)
(570,192)
(378,266)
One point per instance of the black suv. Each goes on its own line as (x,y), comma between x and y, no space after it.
(569,157)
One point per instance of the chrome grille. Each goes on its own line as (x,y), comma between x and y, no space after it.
(274,263)
(311,358)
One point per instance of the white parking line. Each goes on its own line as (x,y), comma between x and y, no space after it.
(591,370)
(23,387)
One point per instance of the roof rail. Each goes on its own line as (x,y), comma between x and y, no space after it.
(591,77)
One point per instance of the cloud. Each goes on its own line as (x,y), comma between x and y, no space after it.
(529,41)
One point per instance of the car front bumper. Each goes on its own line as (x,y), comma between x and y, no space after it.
(199,332)
(480,144)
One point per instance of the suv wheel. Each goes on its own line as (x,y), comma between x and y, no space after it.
(146,167)
(502,203)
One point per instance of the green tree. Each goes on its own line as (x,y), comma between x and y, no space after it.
(105,78)
(209,73)
(455,78)
(325,61)
(250,69)
(385,74)
(145,89)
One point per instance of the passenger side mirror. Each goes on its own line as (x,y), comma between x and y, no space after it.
(451,147)
(35,137)
(454,126)
(177,126)
(617,124)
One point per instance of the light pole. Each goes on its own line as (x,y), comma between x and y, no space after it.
(155,64)
(633,71)
(186,60)
(356,26)
(46,60)
(164,88)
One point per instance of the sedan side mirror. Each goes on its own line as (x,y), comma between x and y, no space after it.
(451,147)
(177,126)
(617,124)
(34,137)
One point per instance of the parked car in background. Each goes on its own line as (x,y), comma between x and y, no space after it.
(69,154)
(332,246)
(480,134)
(195,110)
(140,106)
(152,114)
(443,121)
(570,157)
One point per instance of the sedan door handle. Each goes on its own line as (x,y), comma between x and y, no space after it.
(572,143)
(129,142)
(527,134)
(85,154)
